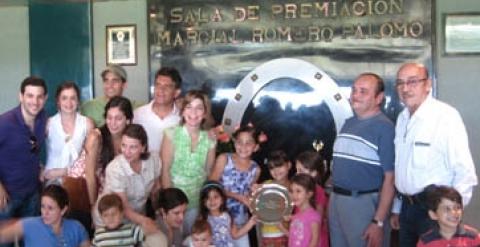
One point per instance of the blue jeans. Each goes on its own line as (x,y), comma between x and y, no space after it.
(20,207)
(414,221)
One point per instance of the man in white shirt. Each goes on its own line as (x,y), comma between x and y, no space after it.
(431,148)
(161,112)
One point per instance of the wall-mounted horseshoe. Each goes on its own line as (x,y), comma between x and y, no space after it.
(297,69)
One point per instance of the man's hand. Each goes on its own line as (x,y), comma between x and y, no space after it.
(395,221)
(3,197)
(373,235)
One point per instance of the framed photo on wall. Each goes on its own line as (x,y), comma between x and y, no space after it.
(121,44)
(462,33)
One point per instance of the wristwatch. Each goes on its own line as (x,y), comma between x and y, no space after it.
(379,223)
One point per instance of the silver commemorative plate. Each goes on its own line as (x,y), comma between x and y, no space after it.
(270,203)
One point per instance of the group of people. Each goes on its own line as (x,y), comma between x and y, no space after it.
(151,176)
(382,174)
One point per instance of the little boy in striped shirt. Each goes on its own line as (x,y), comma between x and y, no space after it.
(115,232)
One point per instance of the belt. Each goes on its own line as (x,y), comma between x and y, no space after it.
(345,192)
(418,198)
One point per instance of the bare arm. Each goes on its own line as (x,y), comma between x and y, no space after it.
(92,146)
(218,168)
(85,243)
(374,234)
(147,224)
(282,228)
(166,154)
(10,231)
(386,197)
(245,199)
(54,173)
(315,227)
(90,125)
(238,232)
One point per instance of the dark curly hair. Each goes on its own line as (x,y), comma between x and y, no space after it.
(206,188)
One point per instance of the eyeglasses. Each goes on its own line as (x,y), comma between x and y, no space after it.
(34,145)
(410,82)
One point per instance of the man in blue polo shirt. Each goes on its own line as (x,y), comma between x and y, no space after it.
(362,171)
(22,132)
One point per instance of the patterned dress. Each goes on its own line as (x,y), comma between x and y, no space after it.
(238,182)
(188,170)
(221,229)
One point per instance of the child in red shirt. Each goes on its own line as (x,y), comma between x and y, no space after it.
(445,206)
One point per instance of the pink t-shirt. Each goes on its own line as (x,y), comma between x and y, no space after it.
(300,233)
(321,199)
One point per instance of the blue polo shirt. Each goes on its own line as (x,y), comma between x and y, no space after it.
(19,162)
(363,152)
(37,233)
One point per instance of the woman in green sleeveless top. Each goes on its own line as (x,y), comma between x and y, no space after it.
(188,153)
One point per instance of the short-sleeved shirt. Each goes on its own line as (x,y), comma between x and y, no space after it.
(36,233)
(154,125)
(119,177)
(465,236)
(321,200)
(19,159)
(300,231)
(127,235)
(188,170)
(95,109)
(363,148)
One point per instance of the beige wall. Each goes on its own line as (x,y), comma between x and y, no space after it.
(457,76)
(459,85)
(116,13)
(14,53)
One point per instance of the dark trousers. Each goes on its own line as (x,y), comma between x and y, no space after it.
(414,221)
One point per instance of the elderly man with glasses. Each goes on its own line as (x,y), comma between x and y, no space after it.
(22,133)
(431,148)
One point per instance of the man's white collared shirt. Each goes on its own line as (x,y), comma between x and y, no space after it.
(431,147)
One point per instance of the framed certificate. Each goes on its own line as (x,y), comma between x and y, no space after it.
(462,33)
(121,44)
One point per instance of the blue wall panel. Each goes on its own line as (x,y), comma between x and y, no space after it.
(61,45)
